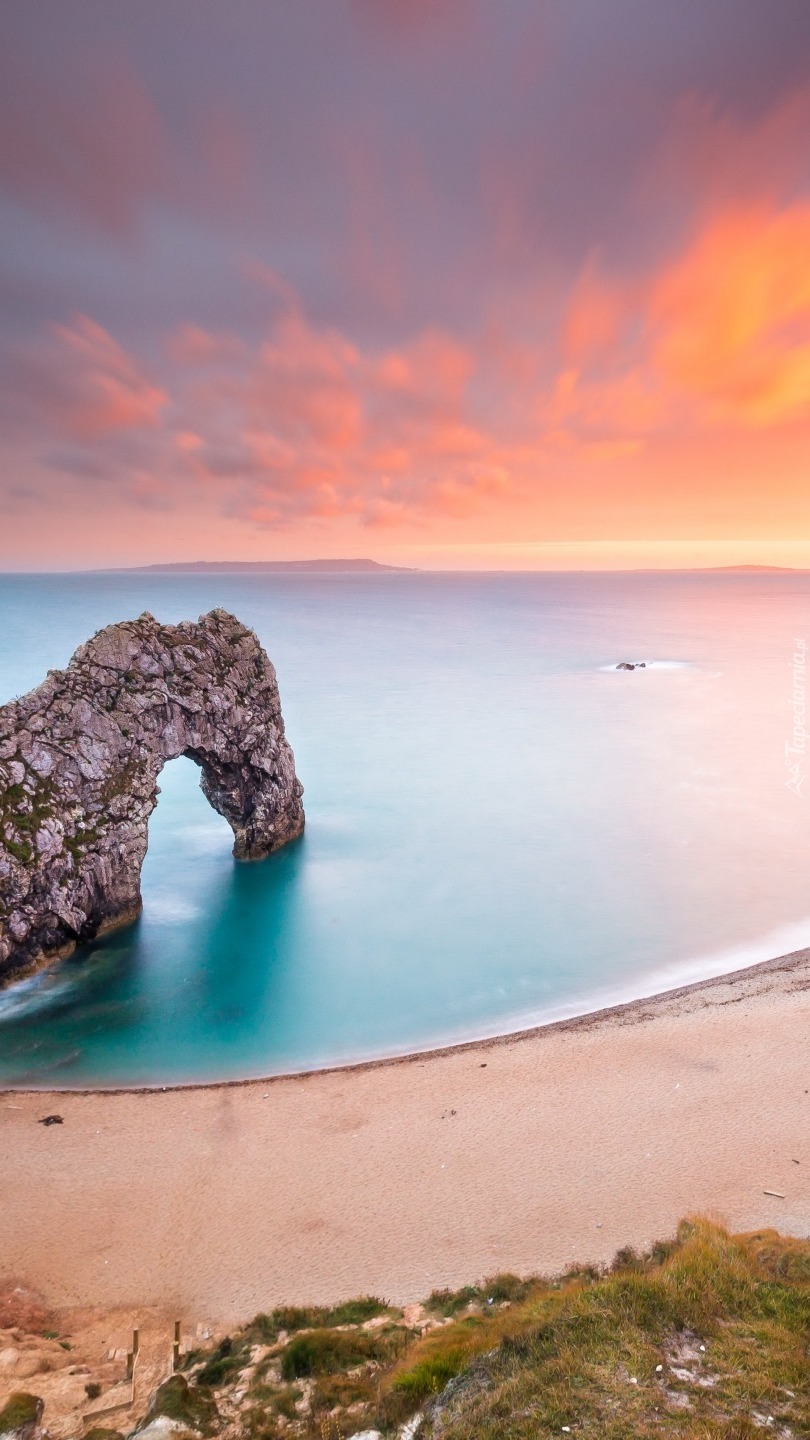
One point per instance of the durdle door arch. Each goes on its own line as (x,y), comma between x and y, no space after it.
(79,761)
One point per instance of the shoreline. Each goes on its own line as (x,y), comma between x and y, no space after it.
(526,1152)
(619,1012)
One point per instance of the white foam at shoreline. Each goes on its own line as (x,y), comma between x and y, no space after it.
(784,940)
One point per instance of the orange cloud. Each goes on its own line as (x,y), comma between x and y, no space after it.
(718,336)
(595,314)
(312,424)
(730,319)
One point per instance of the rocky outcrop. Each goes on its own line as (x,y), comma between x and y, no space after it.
(79,761)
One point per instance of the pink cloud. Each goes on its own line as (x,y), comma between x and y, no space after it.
(192,345)
(596,312)
(80,384)
(311,423)
(712,157)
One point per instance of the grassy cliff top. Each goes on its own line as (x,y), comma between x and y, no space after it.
(706,1336)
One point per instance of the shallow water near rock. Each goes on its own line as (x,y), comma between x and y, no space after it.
(501,827)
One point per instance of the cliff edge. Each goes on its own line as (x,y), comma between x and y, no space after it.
(79,761)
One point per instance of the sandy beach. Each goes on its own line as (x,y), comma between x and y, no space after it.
(525,1153)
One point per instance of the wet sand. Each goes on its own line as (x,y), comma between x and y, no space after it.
(525,1153)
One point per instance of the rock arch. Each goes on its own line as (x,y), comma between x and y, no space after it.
(79,761)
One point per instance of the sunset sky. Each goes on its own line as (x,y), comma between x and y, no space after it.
(449,283)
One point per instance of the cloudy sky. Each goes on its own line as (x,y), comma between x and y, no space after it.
(453,283)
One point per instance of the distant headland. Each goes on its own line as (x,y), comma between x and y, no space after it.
(257,566)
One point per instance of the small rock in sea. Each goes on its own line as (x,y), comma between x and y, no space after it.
(52,1120)
(625,665)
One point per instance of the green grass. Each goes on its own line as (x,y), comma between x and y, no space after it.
(569,1356)
(266,1328)
(20,1409)
(178,1401)
(340,1391)
(593,1353)
(279,1399)
(224,1364)
(495,1291)
(323,1352)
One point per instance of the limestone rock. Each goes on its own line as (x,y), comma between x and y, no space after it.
(79,761)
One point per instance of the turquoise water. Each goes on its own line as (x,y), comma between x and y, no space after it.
(500,829)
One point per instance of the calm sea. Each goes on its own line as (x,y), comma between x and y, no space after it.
(501,829)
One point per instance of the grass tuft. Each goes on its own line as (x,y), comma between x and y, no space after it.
(176,1400)
(324,1352)
(266,1328)
(19,1411)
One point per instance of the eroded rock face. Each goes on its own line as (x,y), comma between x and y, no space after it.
(79,761)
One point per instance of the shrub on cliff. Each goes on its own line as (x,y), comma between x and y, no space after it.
(175,1400)
(321,1352)
(266,1328)
(20,1416)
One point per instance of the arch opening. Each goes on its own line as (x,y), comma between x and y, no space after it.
(81,754)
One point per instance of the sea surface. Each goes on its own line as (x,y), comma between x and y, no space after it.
(501,828)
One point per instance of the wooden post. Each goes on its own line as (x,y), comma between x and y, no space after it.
(130,1359)
(135,1344)
(176,1347)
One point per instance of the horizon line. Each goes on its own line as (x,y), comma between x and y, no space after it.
(315,567)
